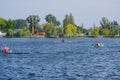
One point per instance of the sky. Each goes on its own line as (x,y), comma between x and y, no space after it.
(86,12)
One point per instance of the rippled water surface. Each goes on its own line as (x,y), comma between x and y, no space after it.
(50,59)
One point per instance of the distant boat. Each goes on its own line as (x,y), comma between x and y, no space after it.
(1,52)
(62,40)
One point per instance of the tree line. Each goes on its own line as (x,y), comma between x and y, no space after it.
(53,27)
(106,28)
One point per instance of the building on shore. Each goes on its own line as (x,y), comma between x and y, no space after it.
(0,34)
(40,32)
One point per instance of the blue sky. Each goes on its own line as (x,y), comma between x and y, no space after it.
(87,12)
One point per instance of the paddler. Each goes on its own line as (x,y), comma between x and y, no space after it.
(98,44)
(6,49)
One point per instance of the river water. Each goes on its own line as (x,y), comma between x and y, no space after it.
(50,59)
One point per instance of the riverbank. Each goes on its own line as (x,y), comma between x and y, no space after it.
(85,36)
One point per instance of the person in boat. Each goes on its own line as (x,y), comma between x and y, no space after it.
(6,49)
(98,44)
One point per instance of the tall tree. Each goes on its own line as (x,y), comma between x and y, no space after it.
(10,33)
(10,27)
(72,19)
(69,19)
(60,31)
(33,20)
(2,24)
(95,32)
(106,32)
(20,23)
(113,27)
(70,30)
(52,19)
(10,24)
(81,29)
(105,23)
(26,30)
(117,31)
(48,28)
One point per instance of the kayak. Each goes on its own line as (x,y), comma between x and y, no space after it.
(18,53)
(14,53)
(95,47)
(11,52)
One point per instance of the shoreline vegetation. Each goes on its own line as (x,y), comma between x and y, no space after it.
(52,28)
(38,36)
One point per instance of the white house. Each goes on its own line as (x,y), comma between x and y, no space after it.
(0,34)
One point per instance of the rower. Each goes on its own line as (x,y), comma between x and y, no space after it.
(6,49)
(98,44)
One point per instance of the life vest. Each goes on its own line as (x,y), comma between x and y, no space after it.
(6,49)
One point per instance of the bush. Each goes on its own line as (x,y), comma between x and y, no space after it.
(19,33)
(10,33)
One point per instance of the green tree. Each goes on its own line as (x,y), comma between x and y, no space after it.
(95,32)
(9,27)
(26,30)
(105,23)
(60,31)
(39,28)
(33,20)
(54,31)
(70,30)
(47,27)
(113,27)
(52,19)
(117,31)
(79,30)
(69,19)
(10,33)
(72,19)
(106,32)
(20,33)
(2,24)
(10,24)
(20,23)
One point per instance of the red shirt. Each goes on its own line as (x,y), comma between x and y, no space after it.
(6,49)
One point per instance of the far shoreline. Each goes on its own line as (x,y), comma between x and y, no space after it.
(67,37)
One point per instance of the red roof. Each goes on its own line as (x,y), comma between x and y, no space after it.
(40,32)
